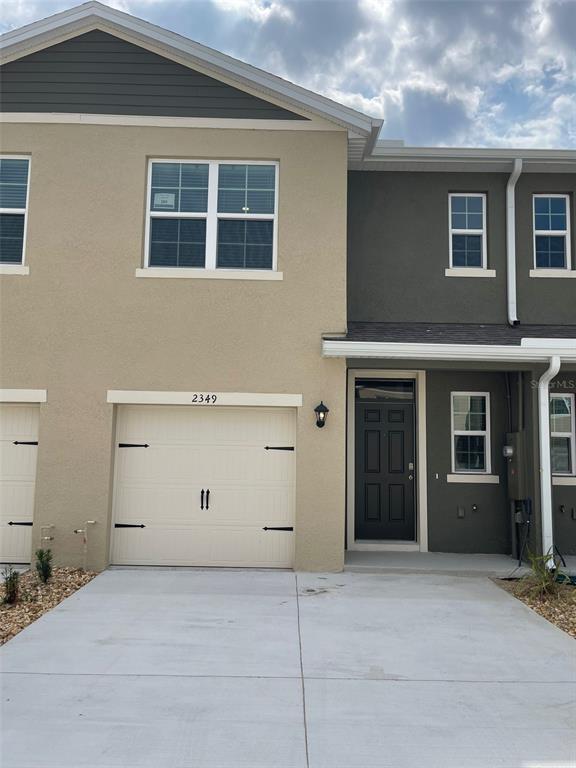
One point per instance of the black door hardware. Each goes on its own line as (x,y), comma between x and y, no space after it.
(278,447)
(281,528)
(133,445)
(202,499)
(207,497)
(11,523)
(25,442)
(129,525)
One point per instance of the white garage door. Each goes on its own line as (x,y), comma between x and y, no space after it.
(18,455)
(204,486)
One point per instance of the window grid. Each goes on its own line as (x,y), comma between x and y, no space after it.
(14,219)
(568,437)
(551,235)
(212,216)
(465,236)
(479,433)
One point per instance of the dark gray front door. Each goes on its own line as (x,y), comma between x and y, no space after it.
(385,466)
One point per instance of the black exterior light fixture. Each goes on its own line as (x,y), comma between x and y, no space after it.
(321,412)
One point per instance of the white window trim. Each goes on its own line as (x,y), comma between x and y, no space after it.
(547,271)
(211,216)
(471,432)
(571,434)
(472,270)
(20,268)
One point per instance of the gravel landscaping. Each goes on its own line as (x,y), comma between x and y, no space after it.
(559,609)
(36,598)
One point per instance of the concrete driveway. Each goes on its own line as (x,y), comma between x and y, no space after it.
(260,669)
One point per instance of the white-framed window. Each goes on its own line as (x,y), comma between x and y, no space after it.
(471,432)
(14,179)
(563,434)
(468,248)
(551,215)
(212,214)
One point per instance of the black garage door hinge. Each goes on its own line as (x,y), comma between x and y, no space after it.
(133,445)
(129,525)
(25,442)
(278,447)
(12,523)
(281,528)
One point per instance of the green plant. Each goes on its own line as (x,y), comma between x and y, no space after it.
(11,584)
(44,564)
(544,581)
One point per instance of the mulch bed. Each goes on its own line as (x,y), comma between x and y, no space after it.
(36,598)
(559,609)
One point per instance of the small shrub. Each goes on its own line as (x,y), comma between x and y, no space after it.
(11,584)
(44,564)
(543,582)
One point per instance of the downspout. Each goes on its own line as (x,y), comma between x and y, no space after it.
(545,461)
(511,242)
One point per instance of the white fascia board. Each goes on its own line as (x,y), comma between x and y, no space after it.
(549,343)
(23,396)
(90,13)
(480,352)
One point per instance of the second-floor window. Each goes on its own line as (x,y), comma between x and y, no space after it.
(563,434)
(468,230)
(471,432)
(212,215)
(551,232)
(14,173)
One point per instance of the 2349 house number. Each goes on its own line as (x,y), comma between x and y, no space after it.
(204,399)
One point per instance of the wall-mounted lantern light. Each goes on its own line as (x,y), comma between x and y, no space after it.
(321,412)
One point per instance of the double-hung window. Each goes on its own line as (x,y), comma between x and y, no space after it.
(468,249)
(551,231)
(471,432)
(212,215)
(14,173)
(563,434)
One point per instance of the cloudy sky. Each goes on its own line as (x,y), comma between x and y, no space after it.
(466,73)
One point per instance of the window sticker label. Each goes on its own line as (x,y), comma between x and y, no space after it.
(164,200)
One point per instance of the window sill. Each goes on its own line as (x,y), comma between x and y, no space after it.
(211,274)
(14,269)
(564,480)
(469,272)
(473,478)
(553,273)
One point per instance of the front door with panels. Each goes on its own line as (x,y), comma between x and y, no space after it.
(385,460)
(202,485)
(18,454)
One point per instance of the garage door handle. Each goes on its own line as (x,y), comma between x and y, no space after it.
(129,525)
(25,442)
(281,528)
(11,523)
(207,497)
(202,499)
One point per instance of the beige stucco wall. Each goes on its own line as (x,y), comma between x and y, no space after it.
(82,323)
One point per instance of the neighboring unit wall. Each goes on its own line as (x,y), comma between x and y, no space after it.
(398,246)
(486,530)
(564,496)
(81,323)
(543,300)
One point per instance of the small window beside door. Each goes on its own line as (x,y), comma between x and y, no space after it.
(563,434)
(471,432)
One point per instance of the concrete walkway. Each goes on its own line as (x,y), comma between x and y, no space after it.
(241,669)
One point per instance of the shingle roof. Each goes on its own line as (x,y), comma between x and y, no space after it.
(452,333)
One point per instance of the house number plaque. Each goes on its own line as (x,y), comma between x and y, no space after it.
(203,398)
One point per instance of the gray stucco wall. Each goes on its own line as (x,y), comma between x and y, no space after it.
(398,250)
(98,73)
(486,530)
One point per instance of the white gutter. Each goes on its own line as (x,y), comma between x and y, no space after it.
(545,462)
(481,352)
(511,242)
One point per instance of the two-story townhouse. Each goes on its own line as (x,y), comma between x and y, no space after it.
(173,247)
(461,350)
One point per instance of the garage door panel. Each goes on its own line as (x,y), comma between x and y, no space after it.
(190,449)
(18,423)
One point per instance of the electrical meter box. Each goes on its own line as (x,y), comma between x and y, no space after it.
(517,474)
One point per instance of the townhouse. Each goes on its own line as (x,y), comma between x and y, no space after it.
(237,330)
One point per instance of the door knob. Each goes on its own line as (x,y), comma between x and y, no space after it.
(410,477)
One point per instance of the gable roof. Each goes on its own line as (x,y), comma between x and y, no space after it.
(362,129)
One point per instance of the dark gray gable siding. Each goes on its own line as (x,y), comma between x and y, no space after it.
(97,73)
